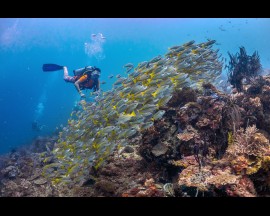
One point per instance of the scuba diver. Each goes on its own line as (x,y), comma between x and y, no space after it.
(36,126)
(84,78)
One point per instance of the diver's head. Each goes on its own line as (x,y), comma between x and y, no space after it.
(97,69)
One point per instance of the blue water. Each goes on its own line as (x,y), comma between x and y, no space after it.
(27,93)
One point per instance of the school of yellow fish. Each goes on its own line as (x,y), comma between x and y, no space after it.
(129,108)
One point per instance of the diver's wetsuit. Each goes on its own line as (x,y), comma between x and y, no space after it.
(85,81)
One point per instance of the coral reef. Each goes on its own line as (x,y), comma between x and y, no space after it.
(211,144)
(21,176)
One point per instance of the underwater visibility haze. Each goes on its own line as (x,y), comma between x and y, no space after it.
(34,103)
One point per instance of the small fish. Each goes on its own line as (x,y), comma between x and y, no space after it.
(220,82)
(222,29)
(137,120)
(173,47)
(140,65)
(131,107)
(146,125)
(119,81)
(163,101)
(128,65)
(189,43)
(137,89)
(108,129)
(121,108)
(131,132)
(118,76)
(210,42)
(148,107)
(123,118)
(181,48)
(102,82)
(155,59)
(111,76)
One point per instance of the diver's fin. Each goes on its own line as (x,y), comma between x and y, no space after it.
(51,67)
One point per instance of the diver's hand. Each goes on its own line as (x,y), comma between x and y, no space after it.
(82,95)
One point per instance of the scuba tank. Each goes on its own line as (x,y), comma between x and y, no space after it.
(81,71)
